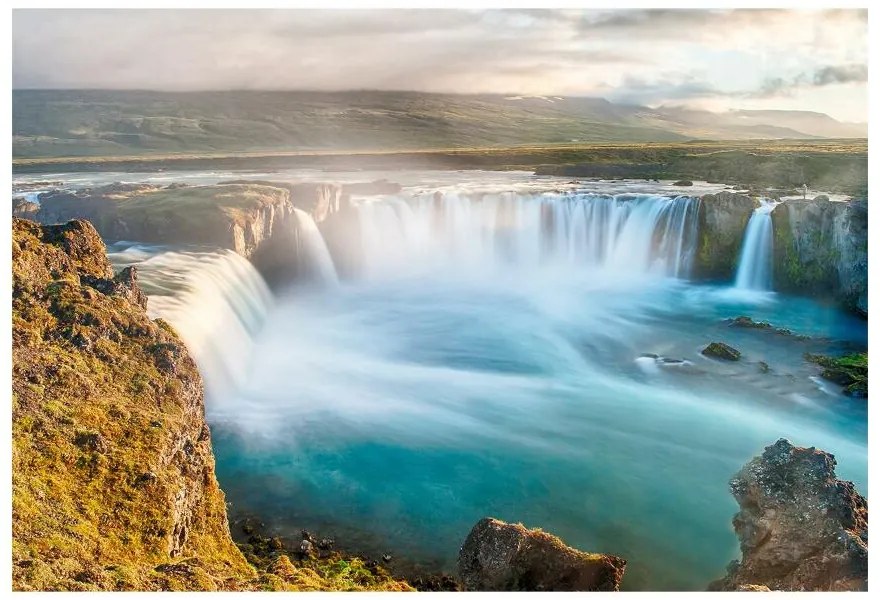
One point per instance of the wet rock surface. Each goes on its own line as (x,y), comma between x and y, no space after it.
(722,224)
(498,556)
(821,250)
(721,351)
(800,528)
(744,322)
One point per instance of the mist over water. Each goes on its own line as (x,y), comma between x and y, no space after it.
(533,357)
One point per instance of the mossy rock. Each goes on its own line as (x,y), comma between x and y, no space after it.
(721,351)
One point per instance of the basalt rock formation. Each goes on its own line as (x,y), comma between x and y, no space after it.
(498,556)
(800,528)
(113,484)
(821,249)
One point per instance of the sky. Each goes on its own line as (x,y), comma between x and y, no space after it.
(711,59)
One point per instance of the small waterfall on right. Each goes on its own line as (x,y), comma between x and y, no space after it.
(755,268)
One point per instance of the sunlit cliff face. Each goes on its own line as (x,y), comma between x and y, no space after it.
(718,59)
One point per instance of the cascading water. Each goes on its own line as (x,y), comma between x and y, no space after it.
(215,300)
(393,412)
(755,269)
(626,233)
(312,246)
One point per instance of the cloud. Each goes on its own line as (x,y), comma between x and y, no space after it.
(828,75)
(841,74)
(648,56)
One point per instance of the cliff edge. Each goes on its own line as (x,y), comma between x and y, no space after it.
(112,466)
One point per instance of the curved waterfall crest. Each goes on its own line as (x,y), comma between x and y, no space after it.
(202,293)
(632,233)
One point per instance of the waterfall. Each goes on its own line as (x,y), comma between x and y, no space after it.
(755,269)
(311,245)
(626,233)
(215,300)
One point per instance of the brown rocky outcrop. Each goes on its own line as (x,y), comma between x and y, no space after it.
(498,556)
(112,467)
(800,528)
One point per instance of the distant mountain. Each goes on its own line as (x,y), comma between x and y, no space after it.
(52,123)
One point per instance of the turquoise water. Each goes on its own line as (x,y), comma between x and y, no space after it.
(496,357)
(393,414)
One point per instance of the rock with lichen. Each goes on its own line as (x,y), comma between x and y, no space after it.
(800,528)
(499,556)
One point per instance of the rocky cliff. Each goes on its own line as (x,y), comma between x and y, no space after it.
(722,223)
(821,249)
(235,216)
(112,467)
(113,474)
(800,528)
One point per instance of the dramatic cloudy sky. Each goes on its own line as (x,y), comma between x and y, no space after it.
(812,60)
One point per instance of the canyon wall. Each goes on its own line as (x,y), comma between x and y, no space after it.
(821,249)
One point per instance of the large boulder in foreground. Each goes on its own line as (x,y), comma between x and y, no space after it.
(800,528)
(499,556)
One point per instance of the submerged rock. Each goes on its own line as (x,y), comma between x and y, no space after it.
(800,528)
(748,323)
(684,183)
(722,351)
(498,556)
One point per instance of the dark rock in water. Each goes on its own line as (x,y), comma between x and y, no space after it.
(800,528)
(684,183)
(306,548)
(748,322)
(649,355)
(672,361)
(722,351)
(387,557)
(763,367)
(498,556)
